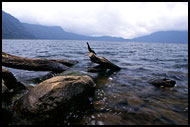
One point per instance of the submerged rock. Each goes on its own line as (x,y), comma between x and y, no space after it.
(103,118)
(72,73)
(56,96)
(99,105)
(97,68)
(163,82)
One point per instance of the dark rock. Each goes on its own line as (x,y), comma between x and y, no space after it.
(10,81)
(4,88)
(163,82)
(99,105)
(6,117)
(5,94)
(55,97)
(12,90)
(103,118)
(103,62)
(5,111)
(32,64)
(97,68)
(135,101)
(71,73)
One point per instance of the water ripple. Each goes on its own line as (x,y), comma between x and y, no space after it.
(128,97)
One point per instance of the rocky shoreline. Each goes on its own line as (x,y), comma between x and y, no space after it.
(57,98)
(53,100)
(53,97)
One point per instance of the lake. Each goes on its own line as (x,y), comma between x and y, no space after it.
(127,97)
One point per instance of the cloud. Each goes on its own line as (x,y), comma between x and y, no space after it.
(119,19)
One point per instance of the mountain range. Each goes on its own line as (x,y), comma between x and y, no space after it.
(164,36)
(12,28)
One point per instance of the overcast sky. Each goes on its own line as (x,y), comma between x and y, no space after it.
(118,19)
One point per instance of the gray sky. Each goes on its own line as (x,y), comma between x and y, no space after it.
(118,19)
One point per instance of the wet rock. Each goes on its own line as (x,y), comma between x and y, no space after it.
(35,64)
(148,111)
(12,90)
(71,73)
(173,117)
(5,111)
(36,77)
(104,119)
(97,68)
(5,94)
(4,88)
(56,96)
(6,116)
(10,81)
(135,101)
(117,100)
(100,123)
(99,105)
(163,82)
(92,122)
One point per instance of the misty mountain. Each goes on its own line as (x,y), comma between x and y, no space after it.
(57,33)
(12,28)
(165,37)
(52,32)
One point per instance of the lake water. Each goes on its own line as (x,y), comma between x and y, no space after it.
(126,96)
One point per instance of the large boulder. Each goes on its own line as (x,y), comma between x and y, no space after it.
(56,96)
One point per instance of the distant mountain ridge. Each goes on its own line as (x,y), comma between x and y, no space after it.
(164,36)
(56,32)
(12,28)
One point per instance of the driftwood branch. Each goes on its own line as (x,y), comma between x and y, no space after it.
(34,64)
(103,62)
